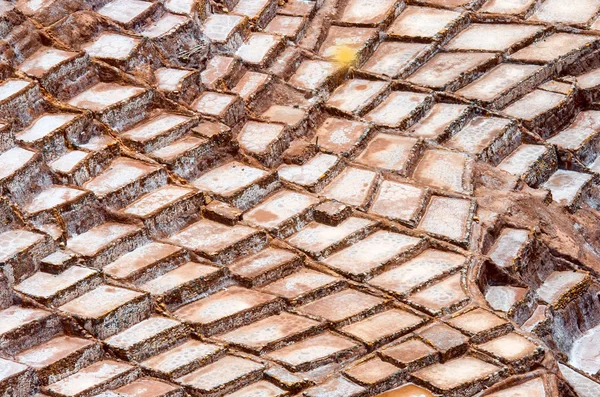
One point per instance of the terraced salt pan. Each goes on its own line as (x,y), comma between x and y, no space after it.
(443,169)
(553,47)
(58,348)
(44,125)
(100,301)
(175,278)
(336,386)
(208,237)
(141,332)
(437,120)
(399,201)
(317,237)
(382,325)
(531,388)
(310,172)
(258,137)
(389,152)
(46,285)
(477,321)
(90,242)
(284,25)
(585,125)
(585,350)
(498,81)
(140,259)
(479,134)
(220,373)
(168,79)
(356,94)
(353,186)
(445,68)
(408,390)
(69,161)
(103,95)
(98,143)
(156,200)
(223,304)
(156,126)
(178,148)
(457,372)
(422,22)
(508,245)
(521,160)
(11,87)
(260,389)
(589,80)
(44,59)
(449,217)
(263,262)
(146,387)
(15,241)
(110,45)
(312,349)
(52,197)
(367,11)
(557,11)
(213,103)
(429,265)
(269,330)
(372,370)
(89,377)
(10,368)
(15,316)
(124,11)
(510,347)
(169,154)
(288,115)
(257,47)
(507,6)
(342,306)
(251,8)
(279,208)
(180,6)
(121,172)
(583,386)
(13,160)
(392,58)
(181,356)
(378,249)
(312,74)
(30,6)
(441,296)
(165,24)
(557,86)
(346,36)
(534,104)
(397,107)
(300,283)
(566,185)
(229,178)
(560,284)
(250,84)
(503,298)
(218,27)
(340,135)
(492,37)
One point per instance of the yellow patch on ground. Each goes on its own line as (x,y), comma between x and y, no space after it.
(344,55)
